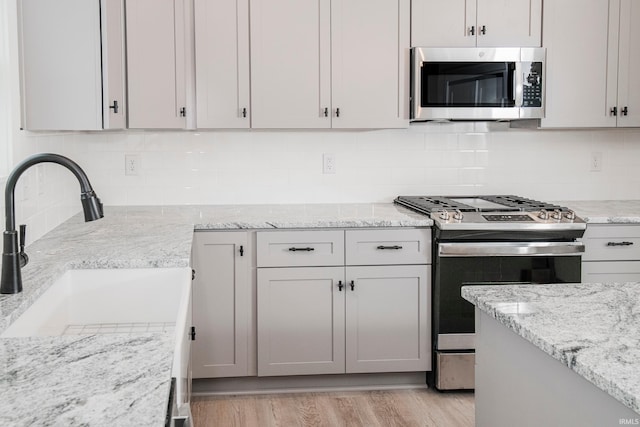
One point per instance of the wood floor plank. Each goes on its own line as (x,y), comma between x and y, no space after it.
(401,408)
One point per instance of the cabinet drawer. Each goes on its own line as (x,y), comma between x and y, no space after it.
(299,248)
(612,243)
(610,271)
(385,247)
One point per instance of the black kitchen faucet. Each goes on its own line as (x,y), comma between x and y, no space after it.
(12,260)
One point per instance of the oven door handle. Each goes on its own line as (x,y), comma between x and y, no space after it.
(510,249)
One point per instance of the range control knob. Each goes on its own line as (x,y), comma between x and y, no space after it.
(444,215)
(458,215)
(570,215)
(543,214)
(557,214)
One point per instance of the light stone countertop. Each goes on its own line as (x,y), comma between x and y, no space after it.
(605,211)
(593,329)
(97,380)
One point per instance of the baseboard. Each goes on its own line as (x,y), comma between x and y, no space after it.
(308,383)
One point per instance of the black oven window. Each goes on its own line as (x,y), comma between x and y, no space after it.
(468,84)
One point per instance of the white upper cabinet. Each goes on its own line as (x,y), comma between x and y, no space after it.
(290,64)
(156,63)
(470,23)
(590,72)
(628,114)
(370,63)
(72,64)
(329,63)
(222,63)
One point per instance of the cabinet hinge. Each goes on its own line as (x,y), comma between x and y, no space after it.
(193,274)
(192,334)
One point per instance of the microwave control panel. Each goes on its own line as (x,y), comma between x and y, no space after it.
(532,85)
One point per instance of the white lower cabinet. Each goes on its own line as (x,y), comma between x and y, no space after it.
(300,321)
(348,318)
(386,321)
(222,304)
(612,253)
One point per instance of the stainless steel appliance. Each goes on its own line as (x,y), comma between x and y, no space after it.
(494,240)
(477,83)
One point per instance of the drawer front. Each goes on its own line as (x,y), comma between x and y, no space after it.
(386,247)
(299,248)
(610,271)
(612,243)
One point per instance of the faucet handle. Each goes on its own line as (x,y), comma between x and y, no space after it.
(24,258)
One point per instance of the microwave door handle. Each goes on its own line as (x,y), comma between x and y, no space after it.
(518,84)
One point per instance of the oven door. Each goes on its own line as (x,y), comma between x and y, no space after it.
(486,263)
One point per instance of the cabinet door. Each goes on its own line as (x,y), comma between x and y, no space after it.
(222,63)
(300,321)
(290,64)
(370,63)
(629,65)
(60,64)
(443,23)
(156,63)
(114,106)
(581,37)
(507,23)
(221,304)
(388,327)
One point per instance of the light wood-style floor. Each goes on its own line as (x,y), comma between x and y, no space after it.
(399,408)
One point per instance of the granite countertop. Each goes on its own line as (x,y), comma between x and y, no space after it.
(605,211)
(593,329)
(97,380)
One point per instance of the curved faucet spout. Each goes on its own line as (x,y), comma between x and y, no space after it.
(13,256)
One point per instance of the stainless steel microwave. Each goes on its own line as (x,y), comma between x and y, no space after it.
(477,83)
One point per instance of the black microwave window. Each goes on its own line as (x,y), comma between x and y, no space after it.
(468,84)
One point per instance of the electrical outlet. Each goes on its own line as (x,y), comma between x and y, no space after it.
(132,164)
(328,163)
(596,162)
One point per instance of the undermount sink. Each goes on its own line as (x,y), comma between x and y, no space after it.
(107,301)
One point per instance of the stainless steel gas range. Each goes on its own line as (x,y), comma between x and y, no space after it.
(480,240)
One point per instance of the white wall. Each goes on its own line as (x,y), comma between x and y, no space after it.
(245,167)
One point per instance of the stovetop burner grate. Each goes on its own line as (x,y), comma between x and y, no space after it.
(508,203)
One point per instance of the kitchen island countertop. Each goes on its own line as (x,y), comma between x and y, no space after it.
(593,329)
(97,380)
